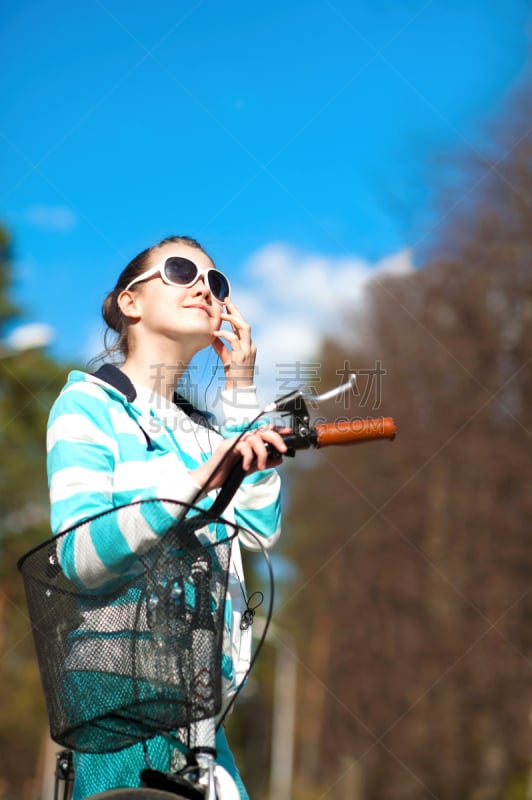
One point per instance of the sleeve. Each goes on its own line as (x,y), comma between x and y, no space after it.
(257,503)
(83,458)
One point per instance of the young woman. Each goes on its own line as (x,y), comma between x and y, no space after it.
(121,435)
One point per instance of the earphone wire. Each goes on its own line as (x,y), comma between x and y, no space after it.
(265,555)
(214,370)
(225,457)
(263,635)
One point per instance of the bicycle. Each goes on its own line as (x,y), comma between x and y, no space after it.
(140,656)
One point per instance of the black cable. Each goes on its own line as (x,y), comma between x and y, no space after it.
(216,510)
(264,633)
(219,466)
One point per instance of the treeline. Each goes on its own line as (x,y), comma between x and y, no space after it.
(29,382)
(412,607)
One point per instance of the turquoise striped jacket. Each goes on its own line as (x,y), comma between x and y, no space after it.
(108,447)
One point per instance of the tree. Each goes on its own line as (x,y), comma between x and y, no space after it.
(29,382)
(413,608)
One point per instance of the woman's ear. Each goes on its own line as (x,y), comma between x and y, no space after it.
(129,304)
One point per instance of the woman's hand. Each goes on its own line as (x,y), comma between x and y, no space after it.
(238,361)
(251,449)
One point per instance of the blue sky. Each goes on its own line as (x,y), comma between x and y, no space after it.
(293,139)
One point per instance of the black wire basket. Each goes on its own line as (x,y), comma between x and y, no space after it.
(126,657)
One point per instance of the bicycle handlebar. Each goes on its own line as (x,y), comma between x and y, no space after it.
(354,431)
(304,436)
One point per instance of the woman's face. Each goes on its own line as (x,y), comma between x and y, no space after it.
(180,313)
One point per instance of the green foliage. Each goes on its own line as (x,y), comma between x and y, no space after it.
(518,786)
(8,310)
(29,382)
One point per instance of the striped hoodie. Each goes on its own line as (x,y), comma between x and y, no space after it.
(110,443)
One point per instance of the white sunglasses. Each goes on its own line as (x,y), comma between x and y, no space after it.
(179,271)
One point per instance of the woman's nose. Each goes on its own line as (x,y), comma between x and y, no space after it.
(201,287)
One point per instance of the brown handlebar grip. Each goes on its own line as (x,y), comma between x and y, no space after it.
(354,430)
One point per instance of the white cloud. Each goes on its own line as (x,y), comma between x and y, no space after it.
(399,263)
(60,219)
(26,337)
(298,298)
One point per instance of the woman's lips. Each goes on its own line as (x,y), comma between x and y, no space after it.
(200,307)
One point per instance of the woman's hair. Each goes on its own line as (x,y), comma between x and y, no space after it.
(112,315)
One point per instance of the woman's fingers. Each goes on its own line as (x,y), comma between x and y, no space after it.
(234,311)
(235,348)
(255,454)
(220,349)
(274,438)
(253,451)
(238,336)
(229,335)
(240,326)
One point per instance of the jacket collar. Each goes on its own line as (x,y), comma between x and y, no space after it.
(112,375)
(117,379)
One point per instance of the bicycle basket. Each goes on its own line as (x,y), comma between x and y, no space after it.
(125,657)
